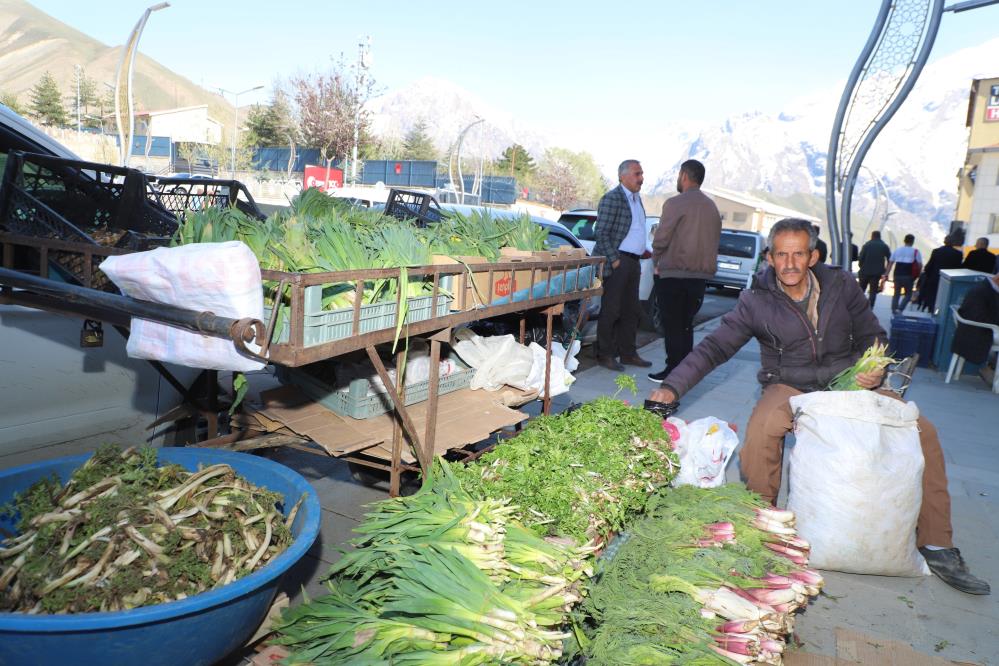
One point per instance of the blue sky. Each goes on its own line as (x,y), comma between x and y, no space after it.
(586,64)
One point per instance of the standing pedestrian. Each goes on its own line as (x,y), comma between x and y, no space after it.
(685,252)
(820,246)
(620,237)
(980,259)
(904,260)
(873,261)
(944,257)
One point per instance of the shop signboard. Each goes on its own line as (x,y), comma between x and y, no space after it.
(992,108)
(316,176)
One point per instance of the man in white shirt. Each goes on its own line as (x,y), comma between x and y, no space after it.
(620,236)
(903,259)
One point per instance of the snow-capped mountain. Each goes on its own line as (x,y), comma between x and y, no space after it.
(916,156)
(447,109)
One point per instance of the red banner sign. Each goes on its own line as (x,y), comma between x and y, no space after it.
(316,176)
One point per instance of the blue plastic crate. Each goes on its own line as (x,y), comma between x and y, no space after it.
(911,335)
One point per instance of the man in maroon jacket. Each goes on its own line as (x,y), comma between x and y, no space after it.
(812,321)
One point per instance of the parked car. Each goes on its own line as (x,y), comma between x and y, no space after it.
(558,236)
(582,223)
(101,395)
(739,256)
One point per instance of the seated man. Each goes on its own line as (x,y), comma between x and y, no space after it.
(812,322)
(980,304)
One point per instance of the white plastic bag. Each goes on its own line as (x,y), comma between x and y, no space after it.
(856,481)
(497,359)
(560,379)
(223,278)
(704,447)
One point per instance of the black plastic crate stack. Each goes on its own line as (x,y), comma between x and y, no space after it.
(911,335)
(408,205)
(81,202)
(183,195)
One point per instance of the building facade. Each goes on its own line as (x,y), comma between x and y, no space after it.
(978,180)
(190,124)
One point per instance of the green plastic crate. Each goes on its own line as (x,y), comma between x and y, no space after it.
(322,326)
(356,402)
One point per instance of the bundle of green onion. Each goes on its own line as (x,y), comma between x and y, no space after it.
(874,359)
(439,578)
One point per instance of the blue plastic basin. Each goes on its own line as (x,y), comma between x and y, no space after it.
(199,630)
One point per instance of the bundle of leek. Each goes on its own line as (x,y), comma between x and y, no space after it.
(875,358)
(441,578)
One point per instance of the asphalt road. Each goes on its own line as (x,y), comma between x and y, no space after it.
(716,303)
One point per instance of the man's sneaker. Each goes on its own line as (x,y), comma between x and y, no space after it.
(658,377)
(949,567)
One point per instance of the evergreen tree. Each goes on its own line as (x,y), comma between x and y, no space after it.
(46,101)
(10,100)
(515,161)
(271,125)
(417,144)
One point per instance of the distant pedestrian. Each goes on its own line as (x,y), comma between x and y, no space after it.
(873,266)
(820,246)
(685,252)
(904,260)
(980,259)
(621,237)
(942,258)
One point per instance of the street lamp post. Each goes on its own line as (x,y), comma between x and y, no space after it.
(123,84)
(360,81)
(235,121)
(461,139)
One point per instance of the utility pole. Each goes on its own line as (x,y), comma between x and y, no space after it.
(235,121)
(360,84)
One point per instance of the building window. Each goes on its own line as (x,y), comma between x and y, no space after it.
(994,223)
(738,217)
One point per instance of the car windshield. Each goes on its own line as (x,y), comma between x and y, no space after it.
(735,245)
(580,225)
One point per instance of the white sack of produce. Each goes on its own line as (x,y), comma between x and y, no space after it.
(704,446)
(223,278)
(856,481)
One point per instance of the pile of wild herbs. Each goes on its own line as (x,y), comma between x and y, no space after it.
(440,578)
(124,532)
(581,474)
(709,576)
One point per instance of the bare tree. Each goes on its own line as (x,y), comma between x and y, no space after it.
(328,105)
(557,180)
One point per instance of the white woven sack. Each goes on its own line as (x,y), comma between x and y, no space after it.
(856,481)
(223,278)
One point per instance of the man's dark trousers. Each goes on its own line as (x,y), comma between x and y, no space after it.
(679,300)
(619,310)
(870,283)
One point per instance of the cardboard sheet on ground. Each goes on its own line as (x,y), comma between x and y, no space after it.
(463,417)
(854,648)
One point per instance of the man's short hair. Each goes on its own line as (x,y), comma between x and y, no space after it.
(909,239)
(624,166)
(793,224)
(694,170)
(984,241)
(875,235)
(817,229)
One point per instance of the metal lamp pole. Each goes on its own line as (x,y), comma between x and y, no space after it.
(363,64)
(235,121)
(461,139)
(123,83)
